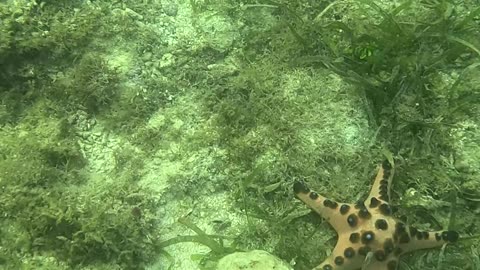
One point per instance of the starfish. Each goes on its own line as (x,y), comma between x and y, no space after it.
(369,237)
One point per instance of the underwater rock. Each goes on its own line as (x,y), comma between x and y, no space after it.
(252,260)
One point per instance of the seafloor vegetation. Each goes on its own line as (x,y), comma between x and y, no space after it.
(166,134)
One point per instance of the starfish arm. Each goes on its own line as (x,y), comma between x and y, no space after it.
(331,263)
(369,237)
(344,256)
(423,240)
(381,186)
(385,265)
(332,211)
(327,264)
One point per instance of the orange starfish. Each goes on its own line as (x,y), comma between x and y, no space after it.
(368,235)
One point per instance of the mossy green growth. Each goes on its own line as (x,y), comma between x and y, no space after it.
(38,43)
(53,207)
(90,85)
(394,54)
(31,27)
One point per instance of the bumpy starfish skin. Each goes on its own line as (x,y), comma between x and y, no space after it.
(367,228)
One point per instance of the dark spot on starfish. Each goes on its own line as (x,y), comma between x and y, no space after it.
(400,228)
(404,238)
(381,224)
(354,238)
(327,267)
(388,246)
(384,184)
(384,198)
(344,209)
(413,231)
(300,187)
(422,235)
(334,205)
(313,195)
(326,203)
(386,174)
(349,252)
(339,260)
(450,236)
(392,265)
(385,209)
(383,190)
(330,204)
(438,236)
(359,205)
(352,220)
(380,255)
(368,237)
(374,202)
(364,214)
(400,233)
(364,250)
(386,165)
